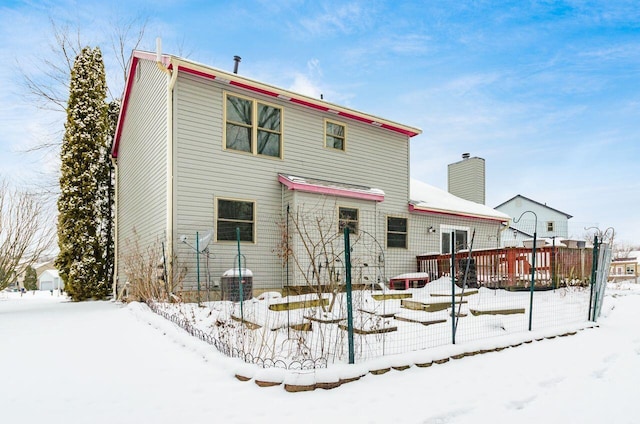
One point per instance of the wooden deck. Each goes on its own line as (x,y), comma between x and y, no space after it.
(511,267)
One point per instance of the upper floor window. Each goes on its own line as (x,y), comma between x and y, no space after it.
(396,232)
(234,214)
(252,126)
(335,135)
(348,217)
(550,226)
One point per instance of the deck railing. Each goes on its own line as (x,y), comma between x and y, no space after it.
(510,267)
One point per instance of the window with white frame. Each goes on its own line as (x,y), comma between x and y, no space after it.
(461,235)
(348,217)
(232,215)
(335,135)
(396,232)
(550,226)
(252,126)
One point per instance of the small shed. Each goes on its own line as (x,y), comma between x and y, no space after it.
(49,280)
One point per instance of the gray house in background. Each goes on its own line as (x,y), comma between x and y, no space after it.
(203,151)
(551,222)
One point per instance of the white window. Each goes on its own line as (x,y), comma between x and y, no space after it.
(396,232)
(232,215)
(252,126)
(550,226)
(335,135)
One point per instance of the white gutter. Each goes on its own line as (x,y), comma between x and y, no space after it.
(173,74)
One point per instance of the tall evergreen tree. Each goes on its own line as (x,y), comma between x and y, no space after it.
(84,182)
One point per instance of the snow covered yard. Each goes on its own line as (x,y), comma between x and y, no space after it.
(103,362)
(385,323)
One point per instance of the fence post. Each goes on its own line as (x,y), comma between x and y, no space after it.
(594,268)
(347,261)
(240,287)
(533,274)
(453,287)
(198,263)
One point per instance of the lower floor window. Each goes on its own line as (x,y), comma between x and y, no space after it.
(396,232)
(233,217)
(460,237)
(348,217)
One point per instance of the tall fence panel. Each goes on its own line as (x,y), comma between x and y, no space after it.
(418,283)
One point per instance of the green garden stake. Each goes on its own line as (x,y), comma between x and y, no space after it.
(347,260)
(240,277)
(198,264)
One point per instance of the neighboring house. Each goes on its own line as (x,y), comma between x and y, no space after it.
(49,280)
(550,222)
(200,150)
(627,268)
(44,266)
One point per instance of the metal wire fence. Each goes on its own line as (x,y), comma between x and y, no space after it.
(417,283)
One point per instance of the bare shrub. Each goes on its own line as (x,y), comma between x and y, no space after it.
(151,275)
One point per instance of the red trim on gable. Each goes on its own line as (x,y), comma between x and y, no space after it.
(123,107)
(331,191)
(412,208)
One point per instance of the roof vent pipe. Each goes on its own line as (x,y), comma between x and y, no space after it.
(237,60)
(158,49)
(465,156)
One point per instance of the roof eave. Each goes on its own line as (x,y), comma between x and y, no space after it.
(437,211)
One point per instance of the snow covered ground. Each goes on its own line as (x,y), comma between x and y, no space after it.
(104,362)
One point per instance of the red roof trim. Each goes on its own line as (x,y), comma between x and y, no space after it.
(413,208)
(302,102)
(256,89)
(137,55)
(196,72)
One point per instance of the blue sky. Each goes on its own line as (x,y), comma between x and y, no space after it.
(547,92)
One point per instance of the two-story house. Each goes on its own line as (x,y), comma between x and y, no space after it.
(267,173)
(550,222)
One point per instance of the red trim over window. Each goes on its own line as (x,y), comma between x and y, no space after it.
(196,72)
(413,208)
(331,191)
(252,88)
(309,104)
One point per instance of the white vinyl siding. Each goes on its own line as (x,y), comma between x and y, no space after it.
(205,171)
(142,165)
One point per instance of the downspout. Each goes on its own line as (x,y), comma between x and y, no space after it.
(114,283)
(500,230)
(173,75)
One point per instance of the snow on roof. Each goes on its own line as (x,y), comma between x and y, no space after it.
(315,185)
(425,197)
